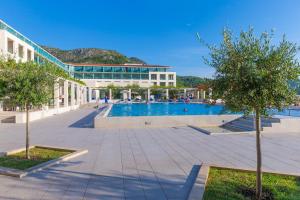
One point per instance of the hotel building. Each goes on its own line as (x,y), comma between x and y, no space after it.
(96,76)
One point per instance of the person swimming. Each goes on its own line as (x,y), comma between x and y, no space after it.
(185,110)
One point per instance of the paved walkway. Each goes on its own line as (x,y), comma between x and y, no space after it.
(133,164)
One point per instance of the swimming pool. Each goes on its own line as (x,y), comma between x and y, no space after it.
(166,109)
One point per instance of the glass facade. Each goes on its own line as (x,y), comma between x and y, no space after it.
(115,72)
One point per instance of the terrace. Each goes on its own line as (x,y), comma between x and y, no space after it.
(155,163)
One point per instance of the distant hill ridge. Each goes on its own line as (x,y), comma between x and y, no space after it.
(92,55)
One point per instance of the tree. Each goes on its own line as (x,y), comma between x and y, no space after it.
(252,75)
(27,85)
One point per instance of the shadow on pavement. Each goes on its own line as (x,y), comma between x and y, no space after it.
(87,121)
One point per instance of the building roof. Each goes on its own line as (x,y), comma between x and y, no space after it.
(117,65)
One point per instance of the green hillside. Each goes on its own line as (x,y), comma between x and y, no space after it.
(190,81)
(92,55)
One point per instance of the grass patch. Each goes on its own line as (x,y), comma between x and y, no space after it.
(38,155)
(228,184)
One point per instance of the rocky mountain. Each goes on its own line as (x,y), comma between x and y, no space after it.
(92,55)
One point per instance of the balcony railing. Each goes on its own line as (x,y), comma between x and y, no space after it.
(40,51)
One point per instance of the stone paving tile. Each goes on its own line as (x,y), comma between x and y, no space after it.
(137,164)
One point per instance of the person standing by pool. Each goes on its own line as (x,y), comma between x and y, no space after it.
(105,99)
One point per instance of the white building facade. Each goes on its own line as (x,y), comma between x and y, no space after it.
(96,76)
(122,75)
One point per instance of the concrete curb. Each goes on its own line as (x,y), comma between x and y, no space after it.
(202,130)
(198,188)
(22,173)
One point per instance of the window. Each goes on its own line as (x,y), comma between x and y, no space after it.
(144,70)
(117,76)
(171,84)
(21,51)
(78,75)
(153,77)
(107,69)
(144,76)
(29,55)
(98,76)
(10,46)
(171,77)
(155,83)
(78,69)
(162,83)
(136,76)
(107,76)
(162,77)
(127,76)
(88,76)
(97,69)
(88,69)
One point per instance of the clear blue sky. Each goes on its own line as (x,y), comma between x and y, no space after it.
(157,31)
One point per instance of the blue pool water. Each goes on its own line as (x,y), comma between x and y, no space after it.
(163,109)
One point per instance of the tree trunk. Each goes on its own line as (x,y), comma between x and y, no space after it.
(27,132)
(258,154)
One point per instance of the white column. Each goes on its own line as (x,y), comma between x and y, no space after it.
(56,95)
(97,94)
(198,94)
(77,94)
(124,95)
(80,95)
(149,94)
(167,93)
(184,93)
(66,93)
(110,94)
(89,90)
(72,94)
(210,93)
(129,94)
(84,95)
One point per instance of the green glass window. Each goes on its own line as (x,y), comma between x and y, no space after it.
(98,76)
(107,76)
(144,70)
(118,69)
(78,69)
(127,76)
(88,69)
(116,76)
(78,75)
(107,69)
(136,69)
(88,76)
(98,69)
(144,76)
(135,76)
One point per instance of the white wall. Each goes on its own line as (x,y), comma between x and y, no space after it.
(4,36)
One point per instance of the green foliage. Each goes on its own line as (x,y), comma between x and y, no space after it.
(190,81)
(252,73)
(27,83)
(233,184)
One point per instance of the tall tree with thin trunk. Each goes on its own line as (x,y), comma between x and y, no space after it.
(252,74)
(27,85)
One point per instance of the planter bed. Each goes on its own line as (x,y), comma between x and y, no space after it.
(15,164)
(240,185)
